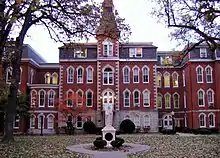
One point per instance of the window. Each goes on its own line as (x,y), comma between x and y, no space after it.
(20,79)
(69,98)
(211,120)
(70,74)
(51,98)
(17,121)
(126,98)
(166,79)
(208,74)
(50,121)
(79,98)
(145,73)
(136,75)
(167,101)
(32,121)
(137,121)
(108,76)
(159,100)
(136,98)
(41,98)
(40,121)
(135,52)
(202,121)
(146,98)
(210,97)
(167,122)
(33,97)
(89,75)
(176,100)
(78,53)
(199,71)
(79,75)
(166,60)
(79,122)
(107,48)
(8,74)
(184,79)
(146,121)
(203,53)
(201,99)
(47,78)
(175,79)
(89,98)
(184,99)
(126,75)
(54,78)
(158,80)
(32,76)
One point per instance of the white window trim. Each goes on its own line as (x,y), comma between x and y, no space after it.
(103,71)
(48,95)
(32,76)
(136,67)
(127,90)
(33,91)
(129,72)
(178,106)
(159,94)
(45,77)
(204,120)
(39,98)
(77,122)
(20,75)
(15,121)
(38,122)
(184,100)
(206,54)
(145,118)
(67,76)
(67,92)
(211,69)
(138,104)
(77,98)
(137,119)
(184,78)
(108,43)
(87,74)
(158,73)
(213,94)
(148,72)
(166,74)
(169,107)
(48,121)
(177,76)
(34,121)
(199,66)
(77,71)
(89,90)
(7,71)
(55,75)
(146,90)
(213,119)
(203,97)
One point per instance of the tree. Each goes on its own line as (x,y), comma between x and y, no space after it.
(191,21)
(65,20)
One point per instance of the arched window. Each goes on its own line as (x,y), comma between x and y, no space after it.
(158,79)
(70,74)
(175,79)
(211,120)
(126,98)
(176,100)
(126,75)
(202,120)
(33,97)
(199,72)
(54,78)
(89,75)
(69,99)
(41,120)
(8,74)
(146,121)
(137,121)
(108,76)
(168,122)
(79,97)
(167,101)
(166,79)
(184,79)
(41,94)
(89,98)
(201,98)
(79,75)
(107,48)
(51,98)
(16,121)
(146,98)
(32,121)
(47,78)
(135,75)
(145,74)
(210,97)
(208,71)
(50,121)
(159,100)
(79,122)
(136,97)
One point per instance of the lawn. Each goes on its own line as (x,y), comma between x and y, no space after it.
(161,146)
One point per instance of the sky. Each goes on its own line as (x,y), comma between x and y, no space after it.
(144,28)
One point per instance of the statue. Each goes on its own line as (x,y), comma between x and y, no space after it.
(108,114)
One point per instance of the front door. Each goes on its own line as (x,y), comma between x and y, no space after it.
(168,122)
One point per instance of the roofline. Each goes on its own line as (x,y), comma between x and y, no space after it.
(56,65)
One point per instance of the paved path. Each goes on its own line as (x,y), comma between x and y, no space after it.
(82,148)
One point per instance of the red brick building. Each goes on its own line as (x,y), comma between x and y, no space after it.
(143,84)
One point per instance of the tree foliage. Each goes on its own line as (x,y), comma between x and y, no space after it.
(191,21)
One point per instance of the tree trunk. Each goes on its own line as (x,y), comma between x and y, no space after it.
(12,97)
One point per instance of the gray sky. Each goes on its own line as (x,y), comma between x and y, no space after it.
(136,13)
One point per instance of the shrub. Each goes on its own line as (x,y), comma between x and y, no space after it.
(120,140)
(89,127)
(204,131)
(168,131)
(117,143)
(99,130)
(98,138)
(127,126)
(69,129)
(117,132)
(214,130)
(100,144)
(186,130)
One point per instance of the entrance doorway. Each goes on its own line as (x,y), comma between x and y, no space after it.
(167,122)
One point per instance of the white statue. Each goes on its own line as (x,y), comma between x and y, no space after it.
(108,114)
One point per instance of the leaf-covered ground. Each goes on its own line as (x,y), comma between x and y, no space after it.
(161,146)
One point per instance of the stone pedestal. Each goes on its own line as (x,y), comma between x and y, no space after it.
(108,134)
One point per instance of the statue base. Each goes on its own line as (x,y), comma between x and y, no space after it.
(108,134)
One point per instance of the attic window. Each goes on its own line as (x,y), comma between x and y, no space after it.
(78,53)
(135,52)
(203,53)
(107,48)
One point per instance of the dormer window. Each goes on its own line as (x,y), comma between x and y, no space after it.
(78,53)
(107,48)
(135,52)
(203,53)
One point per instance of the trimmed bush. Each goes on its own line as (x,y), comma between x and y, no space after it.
(204,131)
(117,143)
(214,130)
(127,126)
(168,131)
(69,129)
(99,130)
(100,144)
(89,127)
(120,140)
(98,138)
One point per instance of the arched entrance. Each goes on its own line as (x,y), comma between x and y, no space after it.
(167,122)
(108,98)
